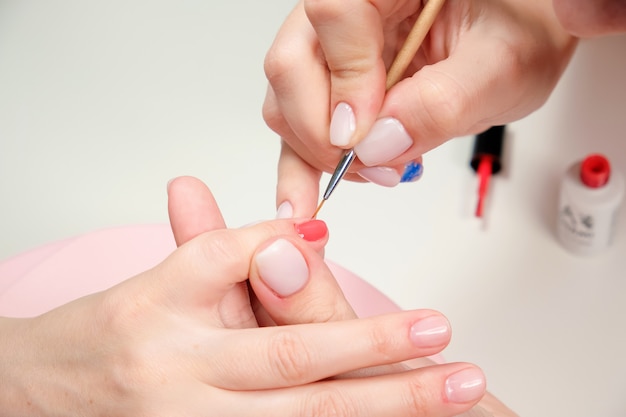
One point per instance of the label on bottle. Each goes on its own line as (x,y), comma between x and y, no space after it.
(585,228)
(587,215)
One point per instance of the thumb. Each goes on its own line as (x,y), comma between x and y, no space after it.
(192,209)
(450,99)
(202,271)
(295,286)
(293,283)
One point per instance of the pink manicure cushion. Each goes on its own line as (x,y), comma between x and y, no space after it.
(41,279)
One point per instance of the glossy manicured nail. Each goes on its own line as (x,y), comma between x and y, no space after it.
(342,125)
(385,141)
(312,230)
(465,386)
(285,210)
(385,176)
(282,267)
(412,172)
(430,332)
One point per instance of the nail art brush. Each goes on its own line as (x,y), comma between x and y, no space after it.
(398,67)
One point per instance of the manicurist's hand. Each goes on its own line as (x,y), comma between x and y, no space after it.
(182,339)
(484,63)
(587,18)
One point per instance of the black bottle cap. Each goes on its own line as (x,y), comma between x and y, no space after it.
(489,143)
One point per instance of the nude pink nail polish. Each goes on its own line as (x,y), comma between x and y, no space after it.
(430,332)
(342,125)
(385,176)
(465,386)
(282,267)
(387,140)
(285,210)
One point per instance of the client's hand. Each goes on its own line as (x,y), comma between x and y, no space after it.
(180,340)
(194,211)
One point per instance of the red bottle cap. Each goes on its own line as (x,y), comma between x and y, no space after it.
(595,171)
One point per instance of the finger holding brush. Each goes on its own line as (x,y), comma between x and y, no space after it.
(482,63)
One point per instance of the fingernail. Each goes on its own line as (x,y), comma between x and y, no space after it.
(342,125)
(282,267)
(385,176)
(466,386)
(285,210)
(385,141)
(412,172)
(430,332)
(312,230)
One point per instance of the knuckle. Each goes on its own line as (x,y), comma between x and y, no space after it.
(382,341)
(321,312)
(511,63)
(289,357)
(416,398)
(348,56)
(224,247)
(354,68)
(279,62)
(325,10)
(329,402)
(273,117)
(446,103)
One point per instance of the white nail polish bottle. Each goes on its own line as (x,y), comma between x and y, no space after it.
(591,194)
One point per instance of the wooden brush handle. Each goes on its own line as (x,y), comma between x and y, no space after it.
(413,41)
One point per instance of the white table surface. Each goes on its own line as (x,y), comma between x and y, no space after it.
(101,103)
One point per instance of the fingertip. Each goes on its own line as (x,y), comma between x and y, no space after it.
(342,125)
(282,267)
(277,278)
(467,385)
(384,176)
(186,184)
(387,140)
(174,183)
(297,189)
(413,171)
(430,332)
(285,210)
(312,230)
(192,209)
(167,186)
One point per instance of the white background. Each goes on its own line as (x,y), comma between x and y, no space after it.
(101,103)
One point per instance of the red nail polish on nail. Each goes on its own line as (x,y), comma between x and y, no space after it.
(312,230)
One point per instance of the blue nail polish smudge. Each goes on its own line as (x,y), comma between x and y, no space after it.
(412,172)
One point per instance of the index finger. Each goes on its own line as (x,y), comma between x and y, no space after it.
(352,36)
